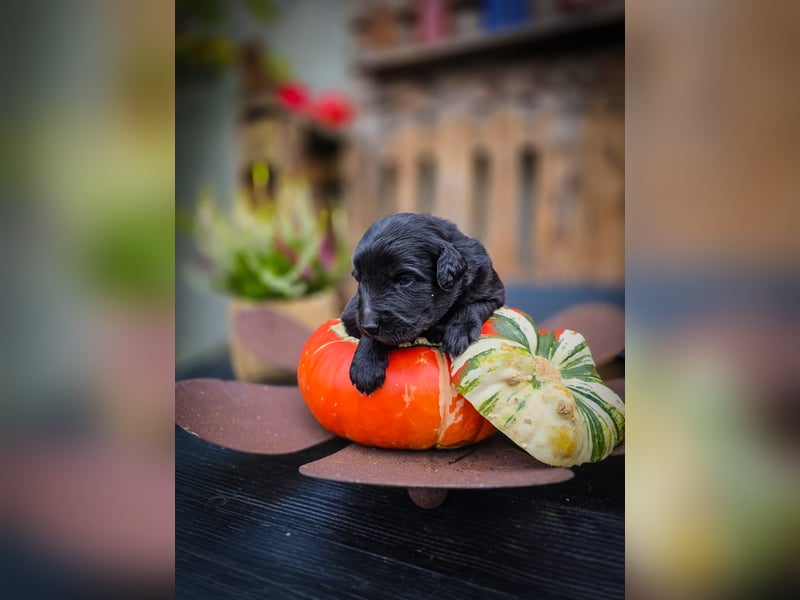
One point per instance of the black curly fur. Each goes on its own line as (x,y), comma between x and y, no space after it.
(418,276)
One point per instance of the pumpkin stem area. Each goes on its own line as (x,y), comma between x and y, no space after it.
(546,371)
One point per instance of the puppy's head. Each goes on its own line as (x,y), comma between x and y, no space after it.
(409,275)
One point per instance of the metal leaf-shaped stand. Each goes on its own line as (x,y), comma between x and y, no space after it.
(274,420)
(248,417)
(267,419)
(494,463)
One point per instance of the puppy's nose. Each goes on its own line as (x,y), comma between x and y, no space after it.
(370,326)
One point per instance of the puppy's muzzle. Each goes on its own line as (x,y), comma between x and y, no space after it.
(370,324)
(369,320)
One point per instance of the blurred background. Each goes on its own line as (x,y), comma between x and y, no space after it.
(712,298)
(504,117)
(86,351)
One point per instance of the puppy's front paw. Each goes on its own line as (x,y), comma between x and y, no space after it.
(367,375)
(457,339)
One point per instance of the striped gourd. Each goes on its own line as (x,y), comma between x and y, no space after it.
(541,389)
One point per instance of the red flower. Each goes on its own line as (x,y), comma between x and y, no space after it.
(294,96)
(333,109)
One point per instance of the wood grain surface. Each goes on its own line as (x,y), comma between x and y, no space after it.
(250,526)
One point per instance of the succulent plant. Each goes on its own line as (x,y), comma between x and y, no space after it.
(279,249)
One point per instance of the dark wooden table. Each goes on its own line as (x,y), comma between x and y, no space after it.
(250,526)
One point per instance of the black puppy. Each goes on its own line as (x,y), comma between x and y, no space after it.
(418,276)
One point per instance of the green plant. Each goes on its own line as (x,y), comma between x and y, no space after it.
(277,250)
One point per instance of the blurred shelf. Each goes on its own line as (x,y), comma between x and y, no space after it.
(539,30)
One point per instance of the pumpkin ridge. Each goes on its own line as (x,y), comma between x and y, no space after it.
(445,396)
(547,345)
(505,319)
(596,431)
(578,347)
(523,322)
(609,411)
(509,329)
(325,345)
(487,405)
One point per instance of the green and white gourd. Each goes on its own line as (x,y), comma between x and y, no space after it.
(541,389)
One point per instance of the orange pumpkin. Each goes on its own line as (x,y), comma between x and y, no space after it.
(417,407)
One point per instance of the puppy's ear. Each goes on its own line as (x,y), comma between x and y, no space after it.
(450,266)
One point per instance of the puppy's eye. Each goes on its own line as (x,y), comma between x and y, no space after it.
(405,281)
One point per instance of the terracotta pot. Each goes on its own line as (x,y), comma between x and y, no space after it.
(265,337)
